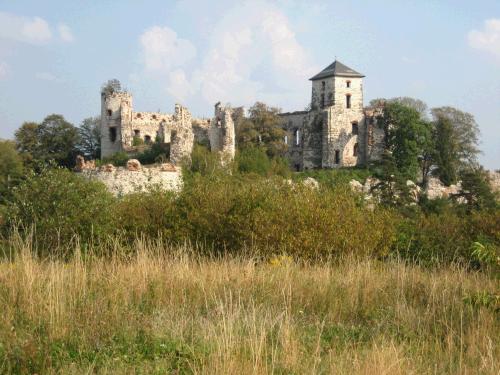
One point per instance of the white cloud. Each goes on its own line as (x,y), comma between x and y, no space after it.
(251,54)
(33,30)
(4,70)
(65,33)
(162,49)
(487,39)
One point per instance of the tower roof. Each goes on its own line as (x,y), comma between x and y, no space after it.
(336,69)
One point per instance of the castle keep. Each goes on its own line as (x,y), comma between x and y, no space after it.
(337,131)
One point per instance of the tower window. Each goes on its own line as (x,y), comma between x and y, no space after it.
(348,101)
(110,112)
(137,133)
(297,137)
(138,115)
(112,134)
(355,150)
(147,139)
(354,128)
(348,84)
(323,85)
(322,100)
(337,156)
(154,117)
(286,139)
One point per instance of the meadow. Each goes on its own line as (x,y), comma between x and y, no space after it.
(156,308)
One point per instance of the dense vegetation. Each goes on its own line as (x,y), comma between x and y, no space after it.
(250,268)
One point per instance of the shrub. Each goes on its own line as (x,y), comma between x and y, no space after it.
(118,159)
(157,153)
(59,205)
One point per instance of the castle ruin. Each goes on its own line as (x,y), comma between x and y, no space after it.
(337,130)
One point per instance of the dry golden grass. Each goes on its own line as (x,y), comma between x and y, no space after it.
(163,310)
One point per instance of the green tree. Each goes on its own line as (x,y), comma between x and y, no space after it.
(465,134)
(407,137)
(446,156)
(27,142)
(58,140)
(11,168)
(413,103)
(476,189)
(111,86)
(90,137)
(262,128)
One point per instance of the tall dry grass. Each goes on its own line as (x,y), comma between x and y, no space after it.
(166,310)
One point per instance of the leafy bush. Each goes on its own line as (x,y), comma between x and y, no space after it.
(118,159)
(58,205)
(157,153)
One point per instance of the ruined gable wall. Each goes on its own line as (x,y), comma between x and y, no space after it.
(222,133)
(182,138)
(291,122)
(375,134)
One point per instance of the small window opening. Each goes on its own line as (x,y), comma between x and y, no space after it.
(137,133)
(297,137)
(337,156)
(286,139)
(110,112)
(154,117)
(138,115)
(323,85)
(348,101)
(297,167)
(354,128)
(112,134)
(348,84)
(322,100)
(355,150)
(147,139)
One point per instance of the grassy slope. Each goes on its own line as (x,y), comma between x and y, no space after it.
(155,314)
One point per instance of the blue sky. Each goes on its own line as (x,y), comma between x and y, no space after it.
(55,55)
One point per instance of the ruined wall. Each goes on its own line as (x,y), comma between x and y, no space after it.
(375,134)
(294,124)
(116,112)
(121,181)
(182,137)
(222,134)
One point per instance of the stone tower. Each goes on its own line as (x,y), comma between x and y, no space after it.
(222,133)
(116,117)
(337,91)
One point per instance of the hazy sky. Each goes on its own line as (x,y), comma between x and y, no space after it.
(55,55)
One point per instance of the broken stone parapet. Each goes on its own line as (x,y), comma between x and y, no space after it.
(121,181)
(82,165)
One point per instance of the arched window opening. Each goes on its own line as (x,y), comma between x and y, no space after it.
(348,84)
(110,112)
(147,139)
(355,129)
(137,133)
(154,117)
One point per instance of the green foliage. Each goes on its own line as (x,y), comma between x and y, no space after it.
(465,133)
(204,162)
(476,189)
(446,152)
(118,159)
(11,168)
(59,205)
(111,86)
(261,129)
(90,137)
(335,177)
(253,160)
(54,139)
(137,141)
(155,153)
(407,136)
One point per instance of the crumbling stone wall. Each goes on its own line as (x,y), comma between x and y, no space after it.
(182,137)
(222,133)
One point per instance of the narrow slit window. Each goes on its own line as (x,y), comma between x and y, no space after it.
(348,101)
(355,150)
(337,156)
(110,112)
(348,84)
(297,137)
(112,134)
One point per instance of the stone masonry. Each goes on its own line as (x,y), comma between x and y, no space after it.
(337,131)
(222,133)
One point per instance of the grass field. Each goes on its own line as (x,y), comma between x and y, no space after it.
(163,310)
